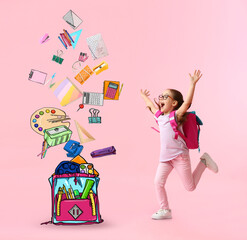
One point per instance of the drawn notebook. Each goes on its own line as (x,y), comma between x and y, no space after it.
(97,46)
(66,92)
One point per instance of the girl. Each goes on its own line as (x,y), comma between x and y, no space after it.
(174,152)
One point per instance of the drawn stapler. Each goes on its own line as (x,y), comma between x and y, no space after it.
(73,148)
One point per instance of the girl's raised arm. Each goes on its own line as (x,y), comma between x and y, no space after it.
(193,80)
(145,95)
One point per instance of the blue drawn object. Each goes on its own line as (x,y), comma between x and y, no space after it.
(77,34)
(67,167)
(62,42)
(73,148)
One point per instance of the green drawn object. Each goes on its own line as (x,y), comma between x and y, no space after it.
(57,59)
(88,186)
(77,194)
(57,135)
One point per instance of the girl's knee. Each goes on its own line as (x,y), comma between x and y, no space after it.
(190,188)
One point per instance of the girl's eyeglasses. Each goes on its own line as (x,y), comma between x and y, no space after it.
(164,97)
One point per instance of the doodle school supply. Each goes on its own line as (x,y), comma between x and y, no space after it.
(91,98)
(57,135)
(65,39)
(88,185)
(62,42)
(100,68)
(57,58)
(67,167)
(103,152)
(111,90)
(94,116)
(72,19)
(82,131)
(86,168)
(83,57)
(66,92)
(37,76)
(84,74)
(77,35)
(44,39)
(48,117)
(73,148)
(81,203)
(97,46)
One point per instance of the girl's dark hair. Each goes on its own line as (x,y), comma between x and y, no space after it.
(179,98)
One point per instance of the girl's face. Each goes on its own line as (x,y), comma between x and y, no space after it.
(167,102)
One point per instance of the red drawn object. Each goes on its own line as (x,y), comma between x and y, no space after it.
(81,106)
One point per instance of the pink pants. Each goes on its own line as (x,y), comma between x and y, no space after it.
(183,167)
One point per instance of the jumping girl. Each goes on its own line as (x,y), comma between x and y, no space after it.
(174,152)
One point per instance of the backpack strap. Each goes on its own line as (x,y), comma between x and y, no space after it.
(157,114)
(174,126)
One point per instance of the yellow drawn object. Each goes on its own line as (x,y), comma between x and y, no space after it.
(92,202)
(60,193)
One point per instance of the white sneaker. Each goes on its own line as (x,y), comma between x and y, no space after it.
(209,162)
(162,214)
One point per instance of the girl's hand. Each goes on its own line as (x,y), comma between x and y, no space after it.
(145,93)
(195,78)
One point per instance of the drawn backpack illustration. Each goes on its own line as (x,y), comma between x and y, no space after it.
(74,193)
(191,128)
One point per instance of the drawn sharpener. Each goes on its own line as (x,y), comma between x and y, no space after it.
(57,135)
(73,148)
(100,68)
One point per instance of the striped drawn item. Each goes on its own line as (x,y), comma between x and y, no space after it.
(66,92)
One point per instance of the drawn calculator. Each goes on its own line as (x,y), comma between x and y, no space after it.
(91,98)
(111,90)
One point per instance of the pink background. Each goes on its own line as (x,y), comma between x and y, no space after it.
(154,45)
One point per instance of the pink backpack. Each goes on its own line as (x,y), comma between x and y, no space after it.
(191,128)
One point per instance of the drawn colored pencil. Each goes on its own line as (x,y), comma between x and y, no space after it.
(62,42)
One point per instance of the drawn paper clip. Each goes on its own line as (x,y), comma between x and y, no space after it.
(103,152)
(44,39)
(94,116)
(100,68)
(58,58)
(83,57)
(73,148)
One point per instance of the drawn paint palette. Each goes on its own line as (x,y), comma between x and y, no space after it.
(48,117)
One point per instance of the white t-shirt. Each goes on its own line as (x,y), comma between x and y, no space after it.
(170,147)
